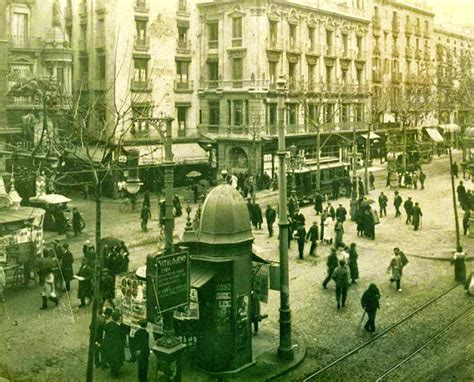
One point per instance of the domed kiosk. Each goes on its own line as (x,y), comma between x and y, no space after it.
(221,272)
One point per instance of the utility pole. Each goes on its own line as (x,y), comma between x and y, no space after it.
(367,158)
(285,349)
(453,190)
(404,145)
(3,68)
(355,184)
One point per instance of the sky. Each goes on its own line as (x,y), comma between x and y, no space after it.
(455,11)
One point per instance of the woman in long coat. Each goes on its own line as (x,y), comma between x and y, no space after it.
(85,282)
(459,265)
(114,344)
(353,266)
(328,229)
(370,303)
(339,233)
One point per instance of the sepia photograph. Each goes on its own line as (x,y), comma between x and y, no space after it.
(247,191)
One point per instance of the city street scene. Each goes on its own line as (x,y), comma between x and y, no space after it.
(258,190)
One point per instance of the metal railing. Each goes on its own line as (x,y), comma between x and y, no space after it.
(395,52)
(314,49)
(396,77)
(25,42)
(141,44)
(141,86)
(238,83)
(376,75)
(183,46)
(180,85)
(213,44)
(275,44)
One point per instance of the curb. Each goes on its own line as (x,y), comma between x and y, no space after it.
(293,364)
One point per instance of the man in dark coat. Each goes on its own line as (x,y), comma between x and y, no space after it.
(465,221)
(299,218)
(339,233)
(455,169)
(142,345)
(102,320)
(461,191)
(318,203)
(397,202)
(370,303)
(360,185)
(257,211)
(383,201)
(251,211)
(341,213)
(312,236)
(66,266)
(416,216)
(369,224)
(76,221)
(335,188)
(301,237)
(270,216)
(292,205)
(353,265)
(371,180)
(331,211)
(145,214)
(114,344)
(408,206)
(422,178)
(341,277)
(332,265)
(85,282)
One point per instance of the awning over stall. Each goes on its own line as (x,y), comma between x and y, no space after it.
(434,134)
(200,276)
(183,153)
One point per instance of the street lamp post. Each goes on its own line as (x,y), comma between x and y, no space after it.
(293,163)
(453,190)
(285,349)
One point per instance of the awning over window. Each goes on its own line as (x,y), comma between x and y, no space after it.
(450,128)
(200,275)
(183,153)
(434,134)
(371,136)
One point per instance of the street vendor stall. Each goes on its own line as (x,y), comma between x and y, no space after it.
(21,238)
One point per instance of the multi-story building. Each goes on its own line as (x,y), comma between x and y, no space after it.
(245,46)
(4,132)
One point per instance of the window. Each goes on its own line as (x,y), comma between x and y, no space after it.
(83,37)
(272,113)
(182,5)
(328,112)
(328,75)
(141,69)
(213,73)
(141,111)
(182,70)
(237,72)
(238,113)
(101,67)
(344,44)
(292,75)
(182,114)
(273,33)
(329,42)
(311,76)
(237,31)
(312,43)
(344,76)
(313,114)
(141,32)
(19,29)
(359,112)
(427,27)
(84,65)
(213,35)
(359,46)
(272,73)
(292,28)
(386,65)
(214,115)
(345,110)
(292,114)
(359,77)
(182,37)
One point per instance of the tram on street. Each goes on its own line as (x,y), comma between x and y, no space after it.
(306,178)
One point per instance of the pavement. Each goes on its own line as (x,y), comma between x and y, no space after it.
(321,332)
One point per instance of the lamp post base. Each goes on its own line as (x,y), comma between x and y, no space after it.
(169,361)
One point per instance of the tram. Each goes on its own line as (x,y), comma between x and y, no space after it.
(306,175)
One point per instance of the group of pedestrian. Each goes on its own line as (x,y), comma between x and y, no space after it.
(255,213)
(366,219)
(412,210)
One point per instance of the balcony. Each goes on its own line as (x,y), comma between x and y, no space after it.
(183,47)
(396,77)
(376,22)
(408,52)
(183,9)
(395,26)
(293,46)
(213,44)
(313,49)
(237,42)
(24,42)
(182,86)
(427,33)
(418,54)
(83,9)
(409,28)
(377,75)
(141,44)
(275,44)
(347,54)
(377,51)
(395,52)
(418,31)
(141,6)
(239,84)
(143,86)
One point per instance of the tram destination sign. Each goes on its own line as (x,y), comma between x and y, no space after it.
(172,280)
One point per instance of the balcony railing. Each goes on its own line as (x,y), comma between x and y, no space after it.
(184,86)
(213,44)
(275,44)
(427,33)
(142,44)
(141,86)
(183,47)
(426,55)
(293,46)
(376,75)
(236,42)
(25,42)
(313,49)
(361,54)
(395,25)
(377,51)
(408,52)
(408,28)
(418,30)
(229,84)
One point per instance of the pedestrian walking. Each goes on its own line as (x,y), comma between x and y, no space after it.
(360,186)
(397,202)
(341,277)
(416,216)
(360,221)
(114,344)
(103,318)
(370,303)
(301,237)
(422,178)
(318,203)
(178,211)
(142,346)
(397,262)
(331,211)
(408,206)
(459,265)
(49,289)
(369,223)
(312,235)
(257,215)
(146,199)
(469,285)
(414,179)
(341,213)
(76,221)
(353,265)
(339,233)
(383,201)
(371,180)
(145,214)
(461,191)
(85,283)
(455,169)
(270,216)
(331,264)
(67,271)
(3,283)
(465,221)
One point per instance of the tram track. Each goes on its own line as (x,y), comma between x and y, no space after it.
(384,334)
